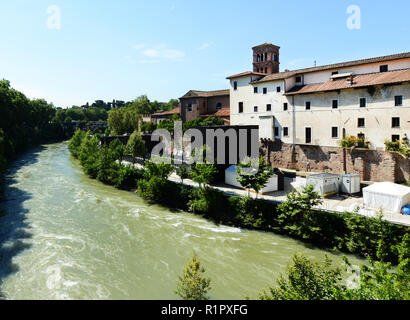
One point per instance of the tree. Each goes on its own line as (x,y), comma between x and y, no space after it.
(117,148)
(306,280)
(296,214)
(135,146)
(192,284)
(183,172)
(251,177)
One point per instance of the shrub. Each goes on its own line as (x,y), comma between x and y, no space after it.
(153,189)
(192,285)
(209,201)
(75,143)
(125,177)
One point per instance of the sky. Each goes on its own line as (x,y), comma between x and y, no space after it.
(70,52)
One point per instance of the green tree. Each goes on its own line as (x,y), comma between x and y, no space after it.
(192,284)
(254,174)
(135,146)
(296,215)
(118,149)
(75,143)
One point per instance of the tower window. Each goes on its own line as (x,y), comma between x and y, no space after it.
(266,56)
(240,107)
(395,122)
(276,131)
(360,122)
(190,107)
(219,106)
(266,70)
(384,68)
(398,101)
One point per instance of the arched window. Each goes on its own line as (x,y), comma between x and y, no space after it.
(266,56)
(258,58)
(218,106)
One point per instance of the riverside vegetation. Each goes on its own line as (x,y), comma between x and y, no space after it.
(383,243)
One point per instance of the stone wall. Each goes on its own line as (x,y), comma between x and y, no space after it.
(372,165)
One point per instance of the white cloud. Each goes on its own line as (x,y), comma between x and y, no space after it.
(158,53)
(140,46)
(204,46)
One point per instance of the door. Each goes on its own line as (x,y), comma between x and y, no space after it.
(308,135)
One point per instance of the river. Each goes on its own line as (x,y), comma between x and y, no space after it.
(65,236)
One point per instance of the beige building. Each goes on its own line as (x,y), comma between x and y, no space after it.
(369,98)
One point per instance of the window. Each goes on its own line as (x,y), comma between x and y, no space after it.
(395,122)
(268,107)
(307,105)
(266,56)
(384,68)
(360,123)
(255,109)
(363,102)
(266,70)
(335,104)
(285,131)
(235,85)
(189,107)
(395,137)
(255,90)
(398,101)
(308,135)
(335,72)
(298,79)
(218,106)
(335,132)
(265,90)
(276,131)
(240,107)
(278,89)
(285,106)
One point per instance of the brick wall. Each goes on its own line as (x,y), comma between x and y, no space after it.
(372,165)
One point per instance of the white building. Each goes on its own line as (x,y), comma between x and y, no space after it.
(320,105)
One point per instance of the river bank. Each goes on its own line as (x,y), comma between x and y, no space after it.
(66,236)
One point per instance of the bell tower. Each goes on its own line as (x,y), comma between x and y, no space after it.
(266,58)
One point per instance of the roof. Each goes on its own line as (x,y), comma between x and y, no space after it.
(388,188)
(287,74)
(265,45)
(246,73)
(323,176)
(359,81)
(176,110)
(205,94)
(224,112)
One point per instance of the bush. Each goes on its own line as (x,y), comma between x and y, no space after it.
(75,143)
(125,177)
(153,189)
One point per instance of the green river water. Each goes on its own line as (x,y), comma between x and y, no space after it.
(65,236)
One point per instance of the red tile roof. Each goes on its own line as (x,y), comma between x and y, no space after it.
(176,110)
(224,112)
(359,81)
(288,74)
(205,94)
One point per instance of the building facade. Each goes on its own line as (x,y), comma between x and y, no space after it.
(195,104)
(367,98)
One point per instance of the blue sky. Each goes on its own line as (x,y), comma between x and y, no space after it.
(122,49)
